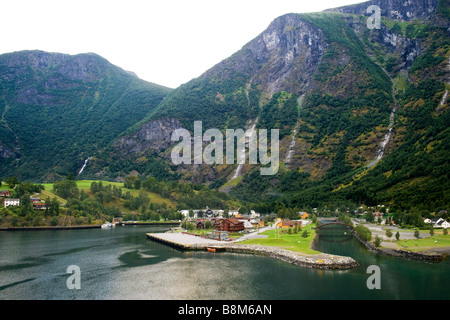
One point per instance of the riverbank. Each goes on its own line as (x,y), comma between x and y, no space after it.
(93,226)
(426,255)
(190,242)
(49,228)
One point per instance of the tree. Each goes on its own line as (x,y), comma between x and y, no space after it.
(416,233)
(389,233)
(377,241)
(243,210)
(54,221)
(363,232)
(12,181)
(48,204)
(397,235)
(66,189)
(370,217)
(132,182)
(55,207)
(432,231)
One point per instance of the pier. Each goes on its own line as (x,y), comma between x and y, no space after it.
(186,241)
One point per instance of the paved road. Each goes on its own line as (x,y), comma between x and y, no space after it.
(404,235)
(253,235)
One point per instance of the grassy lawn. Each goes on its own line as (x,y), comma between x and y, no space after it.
(49,194)
(86,186)
(437,241)
(293,242)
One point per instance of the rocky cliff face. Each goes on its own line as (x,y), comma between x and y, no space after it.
(154,136)
(282,58)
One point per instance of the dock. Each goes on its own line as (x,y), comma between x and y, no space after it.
(187,241)
(183,240)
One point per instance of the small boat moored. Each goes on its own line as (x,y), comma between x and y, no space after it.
(107,225)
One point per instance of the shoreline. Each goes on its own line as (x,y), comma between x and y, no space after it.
(318,261)
(426,255)
(40,228)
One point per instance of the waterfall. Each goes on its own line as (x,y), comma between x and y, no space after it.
(444,98)
(247,136)
(387,138)
(292,145)
(388,135)
(84,165)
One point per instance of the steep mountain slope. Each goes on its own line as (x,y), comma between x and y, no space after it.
(412,142)
(57,110)
(362,112)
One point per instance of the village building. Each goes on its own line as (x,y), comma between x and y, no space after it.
(439,223)
(35,199)
(289,223)
(39,205)
(209,213)
(247,224)
(303,215)
(11,202)
(5,193)
(377,214)
(230,225)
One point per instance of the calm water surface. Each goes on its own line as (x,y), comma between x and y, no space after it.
(122,264)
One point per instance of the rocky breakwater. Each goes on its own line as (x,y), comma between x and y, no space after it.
(318,261)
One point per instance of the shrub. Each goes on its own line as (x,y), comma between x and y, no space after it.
(363,232)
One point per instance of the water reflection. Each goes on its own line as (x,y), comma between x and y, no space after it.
(123,264)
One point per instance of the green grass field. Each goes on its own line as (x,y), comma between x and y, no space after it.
(293,242)
(437,241)
(86,186)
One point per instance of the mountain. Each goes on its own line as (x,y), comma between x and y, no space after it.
(362,112)
(57,110)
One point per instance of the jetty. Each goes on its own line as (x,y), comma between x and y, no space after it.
(187,241)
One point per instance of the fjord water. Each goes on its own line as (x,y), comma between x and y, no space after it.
(121,263)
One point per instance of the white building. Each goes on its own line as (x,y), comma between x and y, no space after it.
(440,223)
(11,202)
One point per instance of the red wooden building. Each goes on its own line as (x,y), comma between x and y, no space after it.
(230,224)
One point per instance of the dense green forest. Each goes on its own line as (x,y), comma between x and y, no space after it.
(66,119)
(51,121)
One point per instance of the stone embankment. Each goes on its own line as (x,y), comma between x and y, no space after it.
(424,256)
(319,261)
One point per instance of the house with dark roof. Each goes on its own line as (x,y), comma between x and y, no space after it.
(229,224)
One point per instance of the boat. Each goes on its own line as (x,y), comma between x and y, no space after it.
(107,225)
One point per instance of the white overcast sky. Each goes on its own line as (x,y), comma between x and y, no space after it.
(166,42)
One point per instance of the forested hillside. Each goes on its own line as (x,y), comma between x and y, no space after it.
(57,110)
(363,112)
